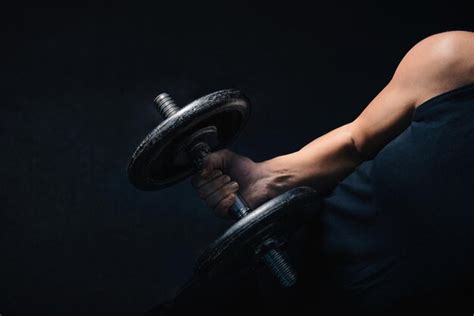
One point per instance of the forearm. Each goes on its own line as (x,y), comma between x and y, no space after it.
(320,164)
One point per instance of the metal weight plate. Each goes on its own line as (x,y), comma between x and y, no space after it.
(159,160)
(278,219)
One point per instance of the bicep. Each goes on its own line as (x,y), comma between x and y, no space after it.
(386,116)
(435,65)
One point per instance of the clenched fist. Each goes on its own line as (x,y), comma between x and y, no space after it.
(224,173)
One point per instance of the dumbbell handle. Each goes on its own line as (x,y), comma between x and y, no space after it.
(167,108)
(200,150)
(273,258)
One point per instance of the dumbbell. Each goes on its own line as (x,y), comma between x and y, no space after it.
(175,150)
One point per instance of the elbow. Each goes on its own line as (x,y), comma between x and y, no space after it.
(358,143)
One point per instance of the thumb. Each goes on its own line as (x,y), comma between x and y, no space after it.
(215,160)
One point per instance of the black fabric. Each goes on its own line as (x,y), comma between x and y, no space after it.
(399,231)
(395,236)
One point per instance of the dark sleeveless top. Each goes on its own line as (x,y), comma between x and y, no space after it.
(400,228)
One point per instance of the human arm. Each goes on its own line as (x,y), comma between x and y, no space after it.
(435,65)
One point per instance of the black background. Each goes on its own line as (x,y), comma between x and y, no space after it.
(77,85)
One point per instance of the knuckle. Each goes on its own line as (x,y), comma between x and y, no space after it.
(230,189)
(213,157)
(222,208)
(220,180)
(216,172)
(229,200)
(215,198)
(223,194)
(225,151)
(222,201)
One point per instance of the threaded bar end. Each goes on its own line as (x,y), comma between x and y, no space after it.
(165,105)
(280,267)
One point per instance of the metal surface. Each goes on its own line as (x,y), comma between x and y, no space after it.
(277,219)
(177,147)
(197,148)
(277,263)
(198,151)
(158,161)
(165,105)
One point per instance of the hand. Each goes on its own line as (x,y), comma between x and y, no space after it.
(224,173)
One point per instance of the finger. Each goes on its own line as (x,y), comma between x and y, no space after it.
(215,160)
(209,188)
(226,190)
(197,180)
(222,208)
(209,163)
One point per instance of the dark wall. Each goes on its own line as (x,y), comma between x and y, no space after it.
(77,84)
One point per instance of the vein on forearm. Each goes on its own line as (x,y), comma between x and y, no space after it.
(320,164)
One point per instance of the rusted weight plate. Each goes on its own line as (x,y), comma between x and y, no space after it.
(160,160)
(276,219)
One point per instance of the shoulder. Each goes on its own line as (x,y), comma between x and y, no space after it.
(435,65)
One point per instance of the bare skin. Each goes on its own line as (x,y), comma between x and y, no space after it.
(435,65)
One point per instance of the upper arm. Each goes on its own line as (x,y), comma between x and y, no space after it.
(435,65)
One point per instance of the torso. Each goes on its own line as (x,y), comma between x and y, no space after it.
(402,225)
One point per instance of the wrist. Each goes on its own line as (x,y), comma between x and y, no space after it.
(280,173)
